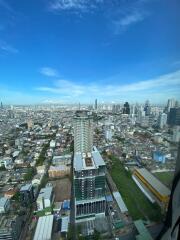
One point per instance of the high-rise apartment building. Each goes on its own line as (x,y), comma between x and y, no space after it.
(170,104)
(162,120)
(89,185)
(89,171)
(83,132)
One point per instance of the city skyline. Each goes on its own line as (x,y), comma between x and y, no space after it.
(76,51)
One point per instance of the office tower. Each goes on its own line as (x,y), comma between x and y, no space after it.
(126,109)
(162,120)
(174,117)
(1,105)
(96,105)
(83,132)
(89,185)
(170,104)
(147,108)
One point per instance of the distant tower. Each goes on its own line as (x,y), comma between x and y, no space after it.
(1,105)
(170,104)
(147,108)
(126,109)
(96,105)
(83,132)
(162,120)
(174,117)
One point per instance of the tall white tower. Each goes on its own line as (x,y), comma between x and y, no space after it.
(83,132)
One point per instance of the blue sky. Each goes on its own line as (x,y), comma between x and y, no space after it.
(59,51)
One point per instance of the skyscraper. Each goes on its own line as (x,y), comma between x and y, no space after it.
(174,117)
(89,171)
(162,120)
(89,185)
(83,132)
(96,105)
(126,109)
(147,108)
(170,104)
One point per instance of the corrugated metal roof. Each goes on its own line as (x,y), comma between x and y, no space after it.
(44,228)
(46,192)
(154,182)
(64,224)
(120,202)
(143,232)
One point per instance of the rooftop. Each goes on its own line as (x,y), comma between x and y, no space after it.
(143,232)
(153,181)
(3,201)
(26,187)
(91,162)
(44,228)
(46,192)
(120,202)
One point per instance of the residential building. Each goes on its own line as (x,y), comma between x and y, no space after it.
(162,120)
(89,185)
(83,132)
(10,227)
(45,198)
(4,204)
(26,195)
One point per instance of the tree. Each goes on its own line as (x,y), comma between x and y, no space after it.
(30,174)
(97,235)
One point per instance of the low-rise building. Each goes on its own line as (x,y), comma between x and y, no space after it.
(45,198)
(26,195)
(58,171)
(10,227)
(37,179)
(10,192)
(4,204)
(41,169)
(159,190)
(44,228)
(159,156)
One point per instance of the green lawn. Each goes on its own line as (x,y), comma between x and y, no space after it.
(165,177)
(137,203)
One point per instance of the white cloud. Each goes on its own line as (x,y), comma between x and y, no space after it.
(74,4)
(131,18)
(129,14)
(5,47)
(49,72)
(153,87)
